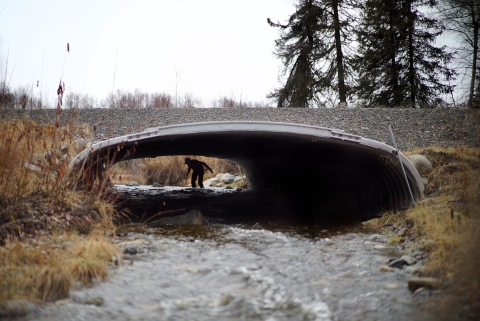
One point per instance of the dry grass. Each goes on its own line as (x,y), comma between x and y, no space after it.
(42,206)
(46,268)
(171,170)
(450,217)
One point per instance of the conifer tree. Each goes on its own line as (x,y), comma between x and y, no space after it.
(311,49)
(397,62)
(462,17)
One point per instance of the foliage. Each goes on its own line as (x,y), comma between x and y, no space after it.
(450,217)
(42,206)
(310,47)
(45,268)
(397,61)
(462,18)
(37,192)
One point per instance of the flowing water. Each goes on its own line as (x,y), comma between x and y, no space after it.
(243,267)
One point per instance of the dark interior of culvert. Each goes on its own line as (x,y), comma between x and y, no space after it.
(294,178)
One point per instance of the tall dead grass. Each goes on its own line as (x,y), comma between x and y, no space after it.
(171,170)
(46,268)
(450,217)
(42,205)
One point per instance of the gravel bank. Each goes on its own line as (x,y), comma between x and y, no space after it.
(414,128)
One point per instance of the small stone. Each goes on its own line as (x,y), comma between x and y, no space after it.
(67,244)
(98,301)
(412,269)
(62,302)
(379,247)
(194,217)
(428,283)
(419,290)
(372,222)
(132,184)
(402,232)
(408,259)
(16,308)
(385,268)
(429,245)
(228,178)
(392,286)
(157,184)
(398,263)
(228,187)
(132,249)
(373,237)
(239,178)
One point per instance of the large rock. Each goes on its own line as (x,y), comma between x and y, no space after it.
(193,217)
(239,178)
(228,178)
(422,164)
(16,308)
(210,182)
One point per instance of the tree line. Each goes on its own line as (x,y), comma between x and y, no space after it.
(23,98)
(372,53)
(377,53)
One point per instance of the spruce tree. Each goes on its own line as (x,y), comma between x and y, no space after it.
(462,17)
(311,49)
(398,62)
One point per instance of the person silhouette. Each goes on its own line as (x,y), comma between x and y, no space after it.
(198,170)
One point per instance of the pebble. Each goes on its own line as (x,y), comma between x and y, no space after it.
(67,244)
(133,249)
(367,122)
(413,269)
(374,237)
(408,259)
(385,268)
(397,263)
(402,232)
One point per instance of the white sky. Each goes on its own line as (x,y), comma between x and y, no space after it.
(210,48)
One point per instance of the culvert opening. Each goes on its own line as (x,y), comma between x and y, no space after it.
(157,188)
(317,172)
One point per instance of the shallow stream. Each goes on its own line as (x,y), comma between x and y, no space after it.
(269,269)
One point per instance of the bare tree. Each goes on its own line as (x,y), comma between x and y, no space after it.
(462,17)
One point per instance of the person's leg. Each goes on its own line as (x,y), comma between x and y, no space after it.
(200,180)
(194,178)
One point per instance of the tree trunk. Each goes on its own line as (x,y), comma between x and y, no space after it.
(397,95)
(338,44)
(474,58)
(411,66)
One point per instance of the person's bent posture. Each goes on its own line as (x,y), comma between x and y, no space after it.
(198,170)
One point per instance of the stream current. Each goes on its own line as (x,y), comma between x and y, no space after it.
(242,267)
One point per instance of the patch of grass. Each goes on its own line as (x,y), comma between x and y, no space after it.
(46,267)
(42,205)
(395,240)
(450,217)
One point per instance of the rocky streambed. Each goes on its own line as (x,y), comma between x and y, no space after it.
(264,270)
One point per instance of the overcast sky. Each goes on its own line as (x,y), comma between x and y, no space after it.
(210,48)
